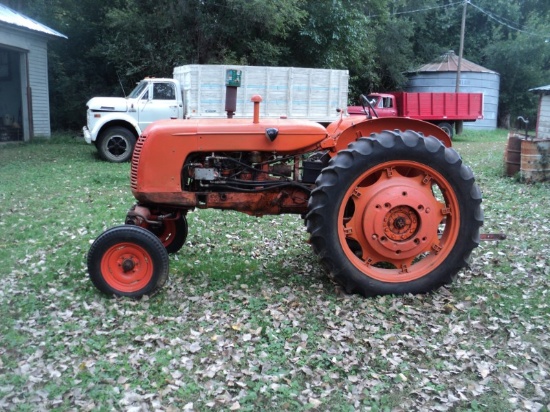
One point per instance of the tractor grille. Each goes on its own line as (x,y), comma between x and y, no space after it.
(135,162)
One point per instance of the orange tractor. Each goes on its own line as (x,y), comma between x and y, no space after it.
(389,205)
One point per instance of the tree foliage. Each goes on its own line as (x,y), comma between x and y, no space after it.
(114,43)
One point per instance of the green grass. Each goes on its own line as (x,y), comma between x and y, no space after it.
(249,320)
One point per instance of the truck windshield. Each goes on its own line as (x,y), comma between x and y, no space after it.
(138,89)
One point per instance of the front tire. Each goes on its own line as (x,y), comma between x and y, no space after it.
(395,213)
(116,145)
(128,261)
(172,233)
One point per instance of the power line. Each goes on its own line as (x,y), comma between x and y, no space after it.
(502,21)
(498,19)
(456,3)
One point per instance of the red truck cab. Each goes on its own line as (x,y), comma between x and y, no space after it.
(384,104)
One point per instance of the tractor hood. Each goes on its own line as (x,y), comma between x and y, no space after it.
(206,135)
(108,104)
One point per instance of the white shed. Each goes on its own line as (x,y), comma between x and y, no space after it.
(24,94)
(543,116)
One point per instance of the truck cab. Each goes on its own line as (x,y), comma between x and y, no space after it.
(114,123)
(383,104)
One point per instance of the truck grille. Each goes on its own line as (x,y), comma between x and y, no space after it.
(135,162)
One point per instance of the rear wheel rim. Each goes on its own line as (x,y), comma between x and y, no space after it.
(398,221)
(127,267)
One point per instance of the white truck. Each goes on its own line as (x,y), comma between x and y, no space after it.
(199,91)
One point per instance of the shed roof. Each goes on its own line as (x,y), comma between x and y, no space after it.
(541,90)
(14,18)
(448,62)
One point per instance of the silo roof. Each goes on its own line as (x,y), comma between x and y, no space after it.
(13,18)
(448,62)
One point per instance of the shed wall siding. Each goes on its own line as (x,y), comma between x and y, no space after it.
(36,47)
(38,79)
(543,123)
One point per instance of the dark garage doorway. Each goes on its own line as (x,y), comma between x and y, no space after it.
(12,95)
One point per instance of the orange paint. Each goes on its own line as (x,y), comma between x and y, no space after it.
(401,230)
(164,151)
(127,267)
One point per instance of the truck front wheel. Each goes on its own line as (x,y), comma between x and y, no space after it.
(116,144)
(395,213)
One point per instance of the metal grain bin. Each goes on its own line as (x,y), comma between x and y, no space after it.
(440,76)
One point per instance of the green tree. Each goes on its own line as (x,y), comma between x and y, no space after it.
(523,62)
(336,34)
(117,42)
(152,37)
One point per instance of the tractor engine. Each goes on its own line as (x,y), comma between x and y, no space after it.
(250,171)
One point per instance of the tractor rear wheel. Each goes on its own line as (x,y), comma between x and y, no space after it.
(128,261)
(395,213)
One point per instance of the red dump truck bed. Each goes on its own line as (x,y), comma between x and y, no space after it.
(443,109)
(439,106)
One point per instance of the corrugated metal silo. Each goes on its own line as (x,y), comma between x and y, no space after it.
(440,76)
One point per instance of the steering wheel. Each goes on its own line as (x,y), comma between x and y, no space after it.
(365,102)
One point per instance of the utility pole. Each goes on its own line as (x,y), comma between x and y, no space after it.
(461,50)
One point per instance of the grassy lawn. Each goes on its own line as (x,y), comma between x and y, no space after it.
(248,320)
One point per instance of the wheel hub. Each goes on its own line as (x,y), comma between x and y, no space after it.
(117,146)
(128,265)
(401,223)
(400,218)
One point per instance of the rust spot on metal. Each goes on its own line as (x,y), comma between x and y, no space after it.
(492,236)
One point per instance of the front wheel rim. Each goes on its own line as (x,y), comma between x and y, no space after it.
(167,232)
(127,267)
(398,221)
(117,146)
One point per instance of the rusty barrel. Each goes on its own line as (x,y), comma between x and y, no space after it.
(512,156)
(535,160)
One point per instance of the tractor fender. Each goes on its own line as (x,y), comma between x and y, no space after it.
(349,131)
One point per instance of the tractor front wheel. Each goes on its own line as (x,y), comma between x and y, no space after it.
(395,213)
(172,233)
(128,261)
